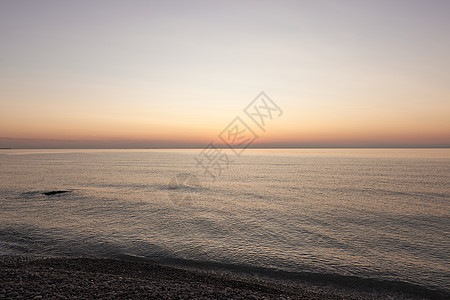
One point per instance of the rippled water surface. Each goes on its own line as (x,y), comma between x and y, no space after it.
(367,213)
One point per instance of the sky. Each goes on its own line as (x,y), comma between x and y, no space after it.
(150,74)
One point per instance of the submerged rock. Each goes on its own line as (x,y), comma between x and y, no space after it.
(55,192)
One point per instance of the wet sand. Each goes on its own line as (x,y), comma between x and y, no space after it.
(90,278)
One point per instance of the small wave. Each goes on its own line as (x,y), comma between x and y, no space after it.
(351,282)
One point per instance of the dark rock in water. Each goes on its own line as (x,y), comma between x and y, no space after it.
(55,192)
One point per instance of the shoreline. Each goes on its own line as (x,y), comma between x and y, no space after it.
(82,277)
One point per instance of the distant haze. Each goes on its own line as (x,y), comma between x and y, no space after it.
(174,74)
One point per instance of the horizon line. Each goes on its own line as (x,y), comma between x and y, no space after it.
(221,147)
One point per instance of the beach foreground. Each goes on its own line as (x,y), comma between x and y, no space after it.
(63,278)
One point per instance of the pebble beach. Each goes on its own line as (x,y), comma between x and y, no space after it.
(90,278)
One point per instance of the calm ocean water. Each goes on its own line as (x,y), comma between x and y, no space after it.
(367,213)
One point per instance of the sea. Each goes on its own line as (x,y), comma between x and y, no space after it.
(353,214)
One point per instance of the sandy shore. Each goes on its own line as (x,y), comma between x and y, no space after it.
(88,278)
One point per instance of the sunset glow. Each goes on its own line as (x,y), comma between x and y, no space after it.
(175,74)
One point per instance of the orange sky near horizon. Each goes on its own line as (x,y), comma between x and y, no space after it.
(169,74)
